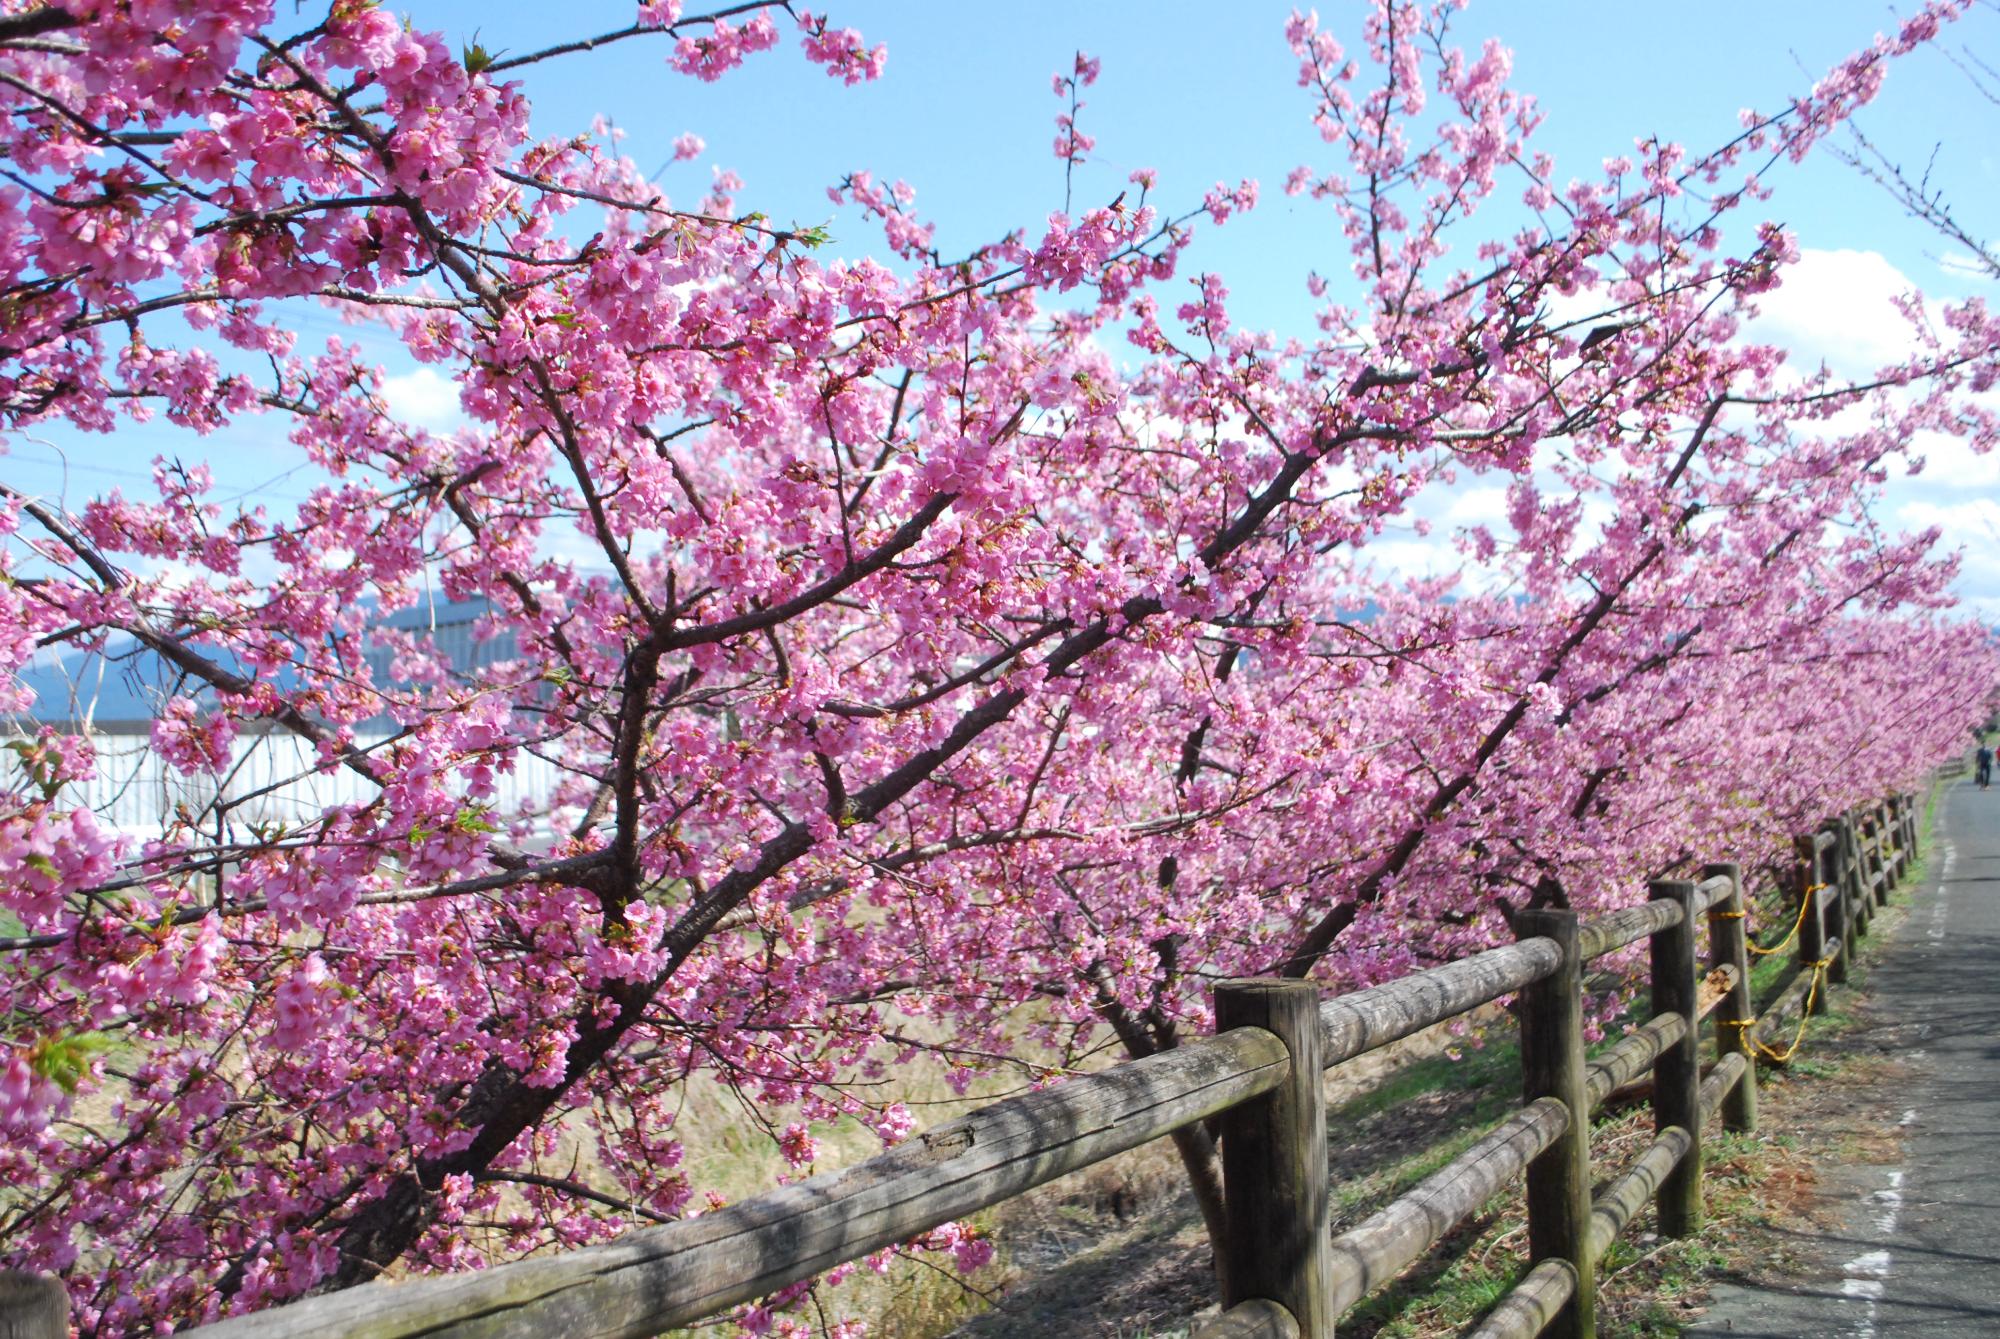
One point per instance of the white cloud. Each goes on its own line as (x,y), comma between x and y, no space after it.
(1482,505)
(1587,305)
(1965,265)
(1838,307)
(424,399)
(1950,464)
(1397,556)
(1971,525)
(1969,520)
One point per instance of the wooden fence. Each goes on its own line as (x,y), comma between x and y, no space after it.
(1283,1272)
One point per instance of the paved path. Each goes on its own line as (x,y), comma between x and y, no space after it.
(1919,1252)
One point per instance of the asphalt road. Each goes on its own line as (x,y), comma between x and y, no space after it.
(1919,1250)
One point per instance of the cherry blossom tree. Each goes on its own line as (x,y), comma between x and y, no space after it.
(907,656)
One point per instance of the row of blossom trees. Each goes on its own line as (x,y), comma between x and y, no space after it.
(928,660)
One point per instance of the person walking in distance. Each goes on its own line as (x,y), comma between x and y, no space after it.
(1985,759)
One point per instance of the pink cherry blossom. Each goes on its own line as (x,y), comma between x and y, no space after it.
(819,651)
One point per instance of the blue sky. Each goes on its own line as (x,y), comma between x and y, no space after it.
(1207,92)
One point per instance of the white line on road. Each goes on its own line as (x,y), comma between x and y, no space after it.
(1943,892)
(1865,1272)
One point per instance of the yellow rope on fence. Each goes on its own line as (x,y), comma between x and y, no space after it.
(1770,1053)
(1805,904)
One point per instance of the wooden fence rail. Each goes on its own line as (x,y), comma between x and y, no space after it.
(1261,1076)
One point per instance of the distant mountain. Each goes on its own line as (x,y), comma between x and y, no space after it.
(121,689)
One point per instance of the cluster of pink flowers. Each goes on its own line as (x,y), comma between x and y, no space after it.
(916,679)
(846,56)
(28,1094)
(1070,253)
(46,851)
(907,235)
(192,740)
(301,1006)
(1072,145)
(723,48)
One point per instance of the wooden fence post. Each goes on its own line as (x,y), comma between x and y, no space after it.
(1813,864)
(1729,946)
(1677,1071)
(1878,863)
(1860,886)
(1853,865)
(1861,878)
(1552,1065)
(1886,846)
(1868,845)
(33,1306)
(1275,1181)
(1891,846)
(1841,910)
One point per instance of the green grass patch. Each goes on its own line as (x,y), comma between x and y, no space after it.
(1492,1068)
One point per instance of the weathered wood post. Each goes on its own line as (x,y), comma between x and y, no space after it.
(1885,836)
(1887,845)
(1853,858)
(1877,891)
(1893,834)
(1729,946)
(1677,1071)
(1874,860)
(32,1306)
(1892,847)
(1276,1196)
(1840,910)
(1813,862)
(1551,1019)
(1863,872)
(1860,885)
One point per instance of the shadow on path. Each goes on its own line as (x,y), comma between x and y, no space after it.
(1916,1248)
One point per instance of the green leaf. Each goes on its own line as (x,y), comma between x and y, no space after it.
(64,1058)
(472,818)
(476,57)
(38,767)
